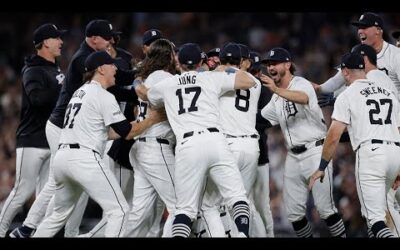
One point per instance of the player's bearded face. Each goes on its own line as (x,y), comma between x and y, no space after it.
(277,72)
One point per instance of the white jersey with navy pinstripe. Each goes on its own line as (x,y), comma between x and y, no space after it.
(162,129)
(238,109)
(370,112)
(191,99)
(89,114)
(300,124)
(388,60)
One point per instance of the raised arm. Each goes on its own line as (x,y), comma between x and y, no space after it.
(295,96)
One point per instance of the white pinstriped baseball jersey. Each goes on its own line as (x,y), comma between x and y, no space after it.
(88,117)
(378,119)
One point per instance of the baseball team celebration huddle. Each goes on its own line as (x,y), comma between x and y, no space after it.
(174,144)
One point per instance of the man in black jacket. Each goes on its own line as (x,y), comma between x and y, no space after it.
(42,80)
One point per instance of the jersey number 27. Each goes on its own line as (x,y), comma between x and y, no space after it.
(376,110)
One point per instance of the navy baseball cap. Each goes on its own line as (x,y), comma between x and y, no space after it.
(100,27)
(244,50)
(97,59)
(352,61)
(368,19)
(151,35)
(213,52)
(365,50)
(396,34)
(46,31)
(189,54)
(277,55)
(231,50)
(255,59)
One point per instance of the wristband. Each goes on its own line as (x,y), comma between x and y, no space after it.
(323,164)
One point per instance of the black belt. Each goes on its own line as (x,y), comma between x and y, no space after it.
(75,145)
(191,133)
(159,140)
(241,136)
(376,141)
(302,148)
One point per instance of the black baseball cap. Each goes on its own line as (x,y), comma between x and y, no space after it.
(365,50)
(151,35)
(46,31)
(352,61)
(277,55)
(100,27)
(189,54)
(213,52)
(97,59)
(244,50)
(369,19)
(231,50)
(396,34)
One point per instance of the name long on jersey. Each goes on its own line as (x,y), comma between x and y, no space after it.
(300,124)
(238,109)
(162,129)
(192,99)
(88,116)
(370,110)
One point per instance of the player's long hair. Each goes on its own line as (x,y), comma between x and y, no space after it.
(159,57)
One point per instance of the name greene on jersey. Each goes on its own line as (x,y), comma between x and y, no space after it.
(79,93)
(374,90)
(187,79)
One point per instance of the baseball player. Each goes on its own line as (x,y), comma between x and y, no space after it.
(295,108)
(371,114)
(78,164)
(191,103)
(238,111)
(213,60)
(117,156)
(148,37)
(99,34)
(41,79)
(370,31)
(153,171)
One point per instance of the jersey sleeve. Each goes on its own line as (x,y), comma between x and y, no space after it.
(111,110)
(306,87)
(156,77)
(33,79)
(269,112)
(155,94)
(226,80)
(332,84)
(341,110)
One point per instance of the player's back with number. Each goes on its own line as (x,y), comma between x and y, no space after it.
(83,122)
(185,93)
(378,118)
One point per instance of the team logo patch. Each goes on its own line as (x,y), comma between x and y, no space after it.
(153,33)
(272,53)
(110,26)
(361,17)
(290,108)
